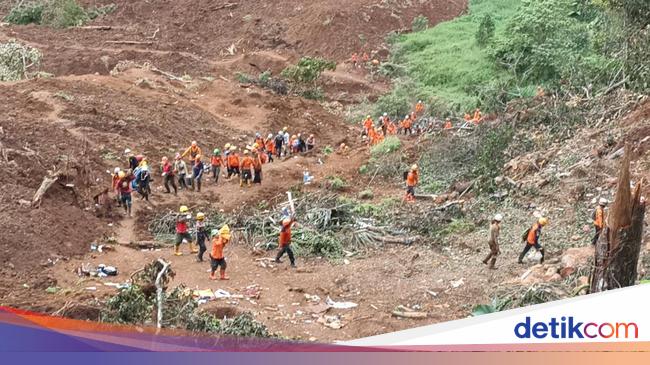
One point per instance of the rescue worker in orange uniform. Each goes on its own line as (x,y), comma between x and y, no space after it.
(355,60)
(284,241)
(599,219)
(215,164)
(467,117)
(407,125)
(233,162)
(477,116)
(257,167)
(269,147)
(448,124)
(193,150)
(220,239)
(367,124)
(419,107)
(412,179)
(246,169)
(531,239)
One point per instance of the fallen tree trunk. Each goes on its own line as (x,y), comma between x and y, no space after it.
(405,314)
(619,245)
(46,184)
(145,43)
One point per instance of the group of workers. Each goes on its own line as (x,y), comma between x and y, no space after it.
(531,237)
(187,169)
(413,123)
(220,238)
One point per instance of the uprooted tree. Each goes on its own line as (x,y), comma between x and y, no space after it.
(16,60)
(617,250)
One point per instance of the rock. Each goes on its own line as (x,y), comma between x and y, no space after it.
(555,277)
(575,238)
(566,271)
(550,271)
(576,257)
(583,280)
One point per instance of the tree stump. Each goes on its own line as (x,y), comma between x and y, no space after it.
(619,245)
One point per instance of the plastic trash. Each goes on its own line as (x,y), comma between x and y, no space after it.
(307,178)
(340,305)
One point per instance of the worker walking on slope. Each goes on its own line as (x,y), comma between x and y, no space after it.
(531,239)
(412,179)
(220,239)
(180,168)
(599,219)
(419,108)
(215,164)
(197,172)
(115,185)
(182,231)
(125,190)
(495,229)
(407,125)
(269,147)
(246,169)
(284,241)
(233,162)
(257,167)
(201,235)
(168,176)
(192,151)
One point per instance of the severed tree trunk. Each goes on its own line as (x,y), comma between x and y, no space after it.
(617,250)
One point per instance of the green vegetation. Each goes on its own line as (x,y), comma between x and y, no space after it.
(420,23)
(485,31)
(55,13)
(336,183)
(307,70)
(505,49)
(386,147)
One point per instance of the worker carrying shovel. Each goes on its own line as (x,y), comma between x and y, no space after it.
(284,240)
(217,259)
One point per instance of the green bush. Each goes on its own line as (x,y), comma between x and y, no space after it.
(363,169)
(96,12)
(489,156)
(386,147)
(420,23)
(63,14)
(328,150)
(315,93)
(307,70)
(485,31)
(337,183)
(366,195)
(25,13)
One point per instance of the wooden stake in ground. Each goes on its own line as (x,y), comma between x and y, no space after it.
(617,250)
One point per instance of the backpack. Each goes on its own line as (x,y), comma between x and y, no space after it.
(406,175)
(525,235)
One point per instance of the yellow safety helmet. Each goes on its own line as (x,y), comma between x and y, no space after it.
(233,148)
(227,146)
(414,168)
(200,216)
(121,174)
(543,221)
(225,232)
(245,152)
(184,209)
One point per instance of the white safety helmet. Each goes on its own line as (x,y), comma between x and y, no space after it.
(127,151)
(385,114)
(603,201)
(498,217)
(117,170)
